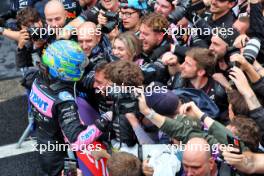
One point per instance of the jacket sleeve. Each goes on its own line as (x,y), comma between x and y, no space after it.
(220,97)
(220,132)
(256,22)
(23,58)
(77,134)
(258,87)
(258,116)
(185,129)
(142,136)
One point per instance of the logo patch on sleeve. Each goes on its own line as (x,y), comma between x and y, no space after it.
(65,96)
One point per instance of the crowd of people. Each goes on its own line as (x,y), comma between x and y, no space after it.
(147,80)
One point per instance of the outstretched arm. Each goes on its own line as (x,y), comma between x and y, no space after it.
(13,35)
(76,133)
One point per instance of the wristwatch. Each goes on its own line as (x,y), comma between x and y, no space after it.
(202,118)
(1,30)
(151,114)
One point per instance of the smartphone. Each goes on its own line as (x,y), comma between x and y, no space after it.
(70,167)
(235,143)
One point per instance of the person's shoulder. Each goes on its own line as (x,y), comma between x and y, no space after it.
(179,81)
(215,83)
(62,91)
(30,76)
(219,89)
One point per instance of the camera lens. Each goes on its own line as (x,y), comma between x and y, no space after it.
(34,33)
(251,50)
(177,14)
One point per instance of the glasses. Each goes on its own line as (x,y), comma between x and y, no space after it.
(126,14)
(222,1)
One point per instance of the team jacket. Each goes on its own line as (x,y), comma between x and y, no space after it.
(56,117)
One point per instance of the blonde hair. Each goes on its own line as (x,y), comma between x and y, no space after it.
(131,42)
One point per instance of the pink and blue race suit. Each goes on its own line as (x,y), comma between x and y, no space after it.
(56,117)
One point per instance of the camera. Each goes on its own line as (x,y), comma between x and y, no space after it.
(37,33)
(252,49)
(185,7)
(231,51)
(250,53)
(191,12)
(156,72)
(177,14)
(180,11)
(125,99)
(112,20)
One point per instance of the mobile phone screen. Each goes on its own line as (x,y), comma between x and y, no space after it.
(70,167)
(235,142)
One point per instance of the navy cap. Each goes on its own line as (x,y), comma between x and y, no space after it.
(163,103)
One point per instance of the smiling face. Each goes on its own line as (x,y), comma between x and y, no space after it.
(121,51)
(220,7)
(87,37)
(149,38)
(87,43)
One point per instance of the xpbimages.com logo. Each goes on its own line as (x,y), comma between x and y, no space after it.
(45,32)
(192,31)
(51,147)
(117,89)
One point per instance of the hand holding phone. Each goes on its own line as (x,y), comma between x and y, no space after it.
(235,142)
(70,167)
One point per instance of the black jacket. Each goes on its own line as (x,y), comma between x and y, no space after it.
(258,116)
(258,88)
(256,26)
(225,21)
(23,58)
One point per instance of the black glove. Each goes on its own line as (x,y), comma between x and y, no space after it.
(29,78)
(88,80)
(104,121)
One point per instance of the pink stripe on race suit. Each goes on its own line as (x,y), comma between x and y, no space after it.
(41,101)
(86,137)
